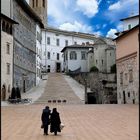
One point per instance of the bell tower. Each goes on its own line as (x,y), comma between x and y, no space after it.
(40,7)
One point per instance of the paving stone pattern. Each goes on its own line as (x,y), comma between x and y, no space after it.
(82,122)
(56,89)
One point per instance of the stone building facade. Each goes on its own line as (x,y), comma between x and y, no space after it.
(6,54)
(25,45)
(103,87)
(40,7)
(103,55)
(127,55)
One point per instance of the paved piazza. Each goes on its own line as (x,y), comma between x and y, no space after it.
(82,122)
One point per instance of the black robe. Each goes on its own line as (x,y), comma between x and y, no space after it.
(18,93)
(55,122)
(13,93)
(45,117)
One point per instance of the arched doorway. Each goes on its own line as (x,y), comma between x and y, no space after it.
(3,93)
(91,98)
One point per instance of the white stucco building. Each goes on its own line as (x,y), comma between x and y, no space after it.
(38,53)
(130,22)
(75,58)
(54,40)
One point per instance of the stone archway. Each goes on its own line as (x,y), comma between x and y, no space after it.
(91,98)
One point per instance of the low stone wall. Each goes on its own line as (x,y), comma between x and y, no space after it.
(103,85)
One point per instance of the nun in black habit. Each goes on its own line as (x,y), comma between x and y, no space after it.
(55,122)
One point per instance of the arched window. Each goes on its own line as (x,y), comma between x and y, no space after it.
(11,30)
(3,25)
(7,28)
(43,3)
(33,2)
(36,3)
(73,55)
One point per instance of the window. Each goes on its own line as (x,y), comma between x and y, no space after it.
(66,56)
(36,3)
(38,36)
(48,55)
(128,94)
(57,56)
(130,76)
(33,3)
(48,40)
(102,61)
(75,42)
(11,30)
(83,55)
(57,42)
(43,3)
(121,78)
(110,93)
(110,54)
(66,42)
(7,28)
(126,76)
(3,26)
(8,48)
(73,55)
(129,26)
(96,61)
(8,68)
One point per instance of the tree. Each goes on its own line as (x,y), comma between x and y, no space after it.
(94,69)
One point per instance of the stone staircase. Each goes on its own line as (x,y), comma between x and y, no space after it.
(58,91)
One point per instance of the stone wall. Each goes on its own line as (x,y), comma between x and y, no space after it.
(6,58)
(104,93)
(127,88)
(24,48)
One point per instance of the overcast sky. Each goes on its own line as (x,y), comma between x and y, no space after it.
(101,17)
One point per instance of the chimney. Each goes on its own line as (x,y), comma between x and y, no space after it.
(83,44)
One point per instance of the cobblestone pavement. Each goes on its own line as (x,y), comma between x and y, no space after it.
(57,88)
(82,122)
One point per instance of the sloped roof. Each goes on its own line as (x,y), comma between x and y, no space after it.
(137,26)
(70,33)
(8,19)
(100,41)
(76,46)
(129,17)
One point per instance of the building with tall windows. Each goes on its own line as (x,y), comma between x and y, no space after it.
(26,41)
(54,40)
(6,55)
(127,61)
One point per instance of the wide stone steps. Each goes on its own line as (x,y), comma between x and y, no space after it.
(58,91)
